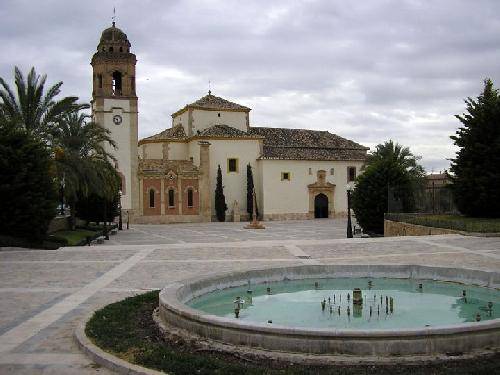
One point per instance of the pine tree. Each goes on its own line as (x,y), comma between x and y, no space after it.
(220,199)
(250,187)
(476,168)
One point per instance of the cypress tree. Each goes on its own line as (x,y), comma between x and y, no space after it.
(220,199)
(250,187)
(476,168)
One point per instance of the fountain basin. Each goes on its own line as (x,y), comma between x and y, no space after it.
(365,341)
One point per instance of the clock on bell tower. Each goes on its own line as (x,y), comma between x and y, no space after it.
(114,106)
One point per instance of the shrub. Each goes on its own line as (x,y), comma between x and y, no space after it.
(28,195)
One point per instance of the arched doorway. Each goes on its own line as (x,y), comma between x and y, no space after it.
(321,206)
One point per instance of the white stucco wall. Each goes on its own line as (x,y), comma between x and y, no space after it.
(235,184)
(121,135)
(283,197)
(183,120)
(205,119)
(176,150)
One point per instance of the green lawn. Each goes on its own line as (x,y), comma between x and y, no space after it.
(74,237)
(456,222)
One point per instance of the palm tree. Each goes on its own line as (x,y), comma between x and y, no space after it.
(32,109)
(398,154)
(82,160)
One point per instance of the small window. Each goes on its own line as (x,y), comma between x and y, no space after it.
(151,198)
(232,165)
(332,171)
(110,49)
(99,80)
(285,176)
(351,174)
(171,198)
(190,198)
(310,171)
(218,114)
(191,159)
(121,49)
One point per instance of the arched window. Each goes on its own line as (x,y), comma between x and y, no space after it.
(171,198)
(117,83)
(190,198)
(151,198)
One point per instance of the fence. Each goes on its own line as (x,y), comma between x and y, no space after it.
(430,200)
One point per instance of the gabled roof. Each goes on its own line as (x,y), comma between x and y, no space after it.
(177,132)
(305,144)
(224,131)
(212,102)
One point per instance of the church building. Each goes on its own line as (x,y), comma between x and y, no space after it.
(171,176)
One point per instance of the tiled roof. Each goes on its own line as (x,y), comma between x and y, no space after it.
(176,132)
(223,131)
(214,103)
(304,144)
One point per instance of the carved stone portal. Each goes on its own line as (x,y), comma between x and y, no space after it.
(321,195)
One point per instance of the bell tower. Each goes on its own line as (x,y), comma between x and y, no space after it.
(114,106)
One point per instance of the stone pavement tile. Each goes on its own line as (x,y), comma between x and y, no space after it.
(221,253)
(157,275)
(50,274)
(368,248)
(88,253)
(17,307)
(470,261)
(58,337)
(474,243)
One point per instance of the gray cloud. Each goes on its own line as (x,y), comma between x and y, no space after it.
(369,71)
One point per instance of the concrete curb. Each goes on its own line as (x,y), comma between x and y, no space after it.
(385,342)
(105,359)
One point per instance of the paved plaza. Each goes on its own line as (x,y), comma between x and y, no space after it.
(44,293)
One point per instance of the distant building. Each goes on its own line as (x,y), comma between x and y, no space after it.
(171,176)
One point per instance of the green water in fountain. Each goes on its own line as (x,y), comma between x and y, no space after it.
(298,303)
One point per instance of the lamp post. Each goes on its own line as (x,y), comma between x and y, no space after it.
(120,222)
(349,224)
(61,194)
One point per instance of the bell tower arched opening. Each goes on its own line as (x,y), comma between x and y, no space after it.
(117,83)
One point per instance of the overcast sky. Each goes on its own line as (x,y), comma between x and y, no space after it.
(366,70)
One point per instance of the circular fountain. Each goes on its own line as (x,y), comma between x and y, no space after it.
(365,310)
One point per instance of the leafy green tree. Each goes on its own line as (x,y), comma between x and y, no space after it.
(391,166)
(476,168)
(82,160)
(28,194)
(250,187)
(32,109)
(400,155)
(220,199)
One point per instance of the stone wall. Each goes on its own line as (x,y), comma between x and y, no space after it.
(398,228)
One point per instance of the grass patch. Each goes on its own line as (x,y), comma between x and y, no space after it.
(456,222)
(127,330)
(74,237)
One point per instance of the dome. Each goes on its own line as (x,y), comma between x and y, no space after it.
(113,34)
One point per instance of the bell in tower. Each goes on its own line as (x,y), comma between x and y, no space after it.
(114,106)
